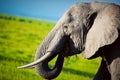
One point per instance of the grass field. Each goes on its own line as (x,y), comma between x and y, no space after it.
(19,39)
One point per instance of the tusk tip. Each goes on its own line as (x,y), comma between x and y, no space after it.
(25,66)
(20,67)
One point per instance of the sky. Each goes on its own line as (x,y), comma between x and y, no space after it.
(40,9)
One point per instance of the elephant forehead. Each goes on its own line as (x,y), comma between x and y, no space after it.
(79,9)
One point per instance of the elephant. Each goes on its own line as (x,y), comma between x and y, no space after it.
(89,28)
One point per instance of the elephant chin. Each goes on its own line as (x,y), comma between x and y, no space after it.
(46,72)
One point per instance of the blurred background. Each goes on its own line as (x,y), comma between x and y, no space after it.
(23,26)
(40,9)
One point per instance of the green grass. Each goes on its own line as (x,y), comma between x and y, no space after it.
(18,43)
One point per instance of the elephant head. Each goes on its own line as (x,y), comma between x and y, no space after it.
(85,27)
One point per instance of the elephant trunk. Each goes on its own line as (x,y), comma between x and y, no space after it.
(55,48)
(47,73)
(50,48)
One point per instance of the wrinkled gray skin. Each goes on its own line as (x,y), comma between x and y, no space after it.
(90,28)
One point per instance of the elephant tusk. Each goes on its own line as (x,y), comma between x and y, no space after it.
(37,61)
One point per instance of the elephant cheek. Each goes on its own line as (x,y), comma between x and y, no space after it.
(76,45)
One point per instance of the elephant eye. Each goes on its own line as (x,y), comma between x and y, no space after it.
(65,28)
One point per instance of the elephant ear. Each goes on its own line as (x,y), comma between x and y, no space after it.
(102,32)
